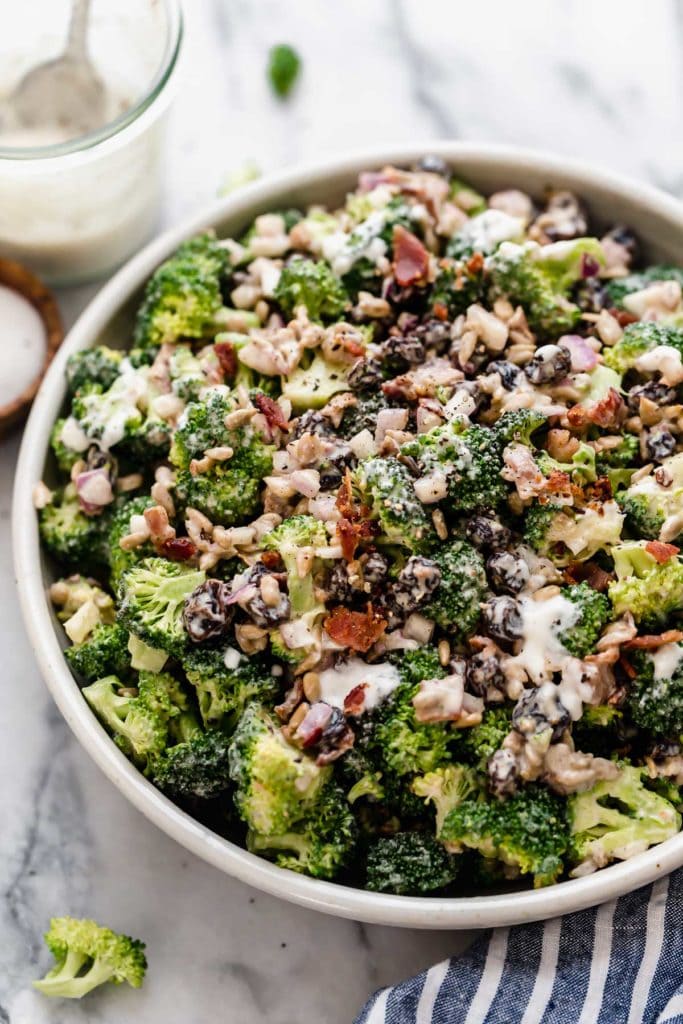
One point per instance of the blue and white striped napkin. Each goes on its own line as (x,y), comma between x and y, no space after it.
(621,963)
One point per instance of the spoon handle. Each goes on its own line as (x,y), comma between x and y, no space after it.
(76,43)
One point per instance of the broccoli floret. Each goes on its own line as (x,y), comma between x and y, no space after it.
(528,831)
(414,666)
(650,590)
(322,842)
(599,731)
(104,653)
(120,527)
(195,769)
(456,287)
(69,534)
(183,296)
(624,456)
(480,742)
(568,535)
(363,415)
(112,416)
(403,745)
(277,783)
(387,489)
(152,594)
(656,704)
(222,692)
(647,504)
(138,728)
(66,457)
(639,338)
(455,604)
(594,614)
(620,287)
(471,460)
(288,539)
(93,366)
(520,425)
(228,492)
(618,818)
(313,285)
(582,467)
(187,376)
(409,863)
(539,277)
(88,955)
(447,787)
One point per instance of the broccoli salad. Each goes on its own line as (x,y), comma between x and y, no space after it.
(369,537)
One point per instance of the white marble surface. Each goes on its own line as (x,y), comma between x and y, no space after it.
(601,81)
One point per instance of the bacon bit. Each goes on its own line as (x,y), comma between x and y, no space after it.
(623,318)
(178,549)
(271,410)
(351,534)
(411,259)
(271,559)
(558,482)
(627,666)
(600,490)
(355,630)
(608,412)
(227,357)
(661,552)
(590,573)
(649,641)
(475,263)
(440,311)
(345,502)
(354,701)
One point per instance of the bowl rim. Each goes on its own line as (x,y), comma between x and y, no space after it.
(357,904)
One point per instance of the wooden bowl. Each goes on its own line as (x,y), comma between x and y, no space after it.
(19,279)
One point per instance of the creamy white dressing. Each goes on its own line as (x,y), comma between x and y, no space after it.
(108,414)
(666,660)
(380,680)
(541,652)
(664,359)
(73,436)
(342,250)
(489,229)
(23,344)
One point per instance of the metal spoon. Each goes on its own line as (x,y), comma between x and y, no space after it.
(65,92)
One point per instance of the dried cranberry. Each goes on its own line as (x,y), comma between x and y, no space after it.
(177,549)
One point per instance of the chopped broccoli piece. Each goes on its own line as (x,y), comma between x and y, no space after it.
(581,468)
(639,338)
(277,784)
(456,287)
(228,492)
(284,65)
(455,604)
(404,745)
(566,535)
(620,287)
(362,415)
(105,652)
(196,769)
(119,527)
(618,818)
(69,534)
(656,701)
(528,831)
(288,539)
(599,731)
(387,488)
(66,457)
(422,663)
(222,692)
(183,295)
(647,504)
(650,590)
(447,787)
(321,844)
(88,955)
(313,285)
(139,727)
(409,863)
(519,425)
(152,594)
(539,277)
(471,460)
(480,742)
(99,366)
(312,386)
(623,456)
(594,614)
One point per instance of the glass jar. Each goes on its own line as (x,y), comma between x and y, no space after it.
(73,208)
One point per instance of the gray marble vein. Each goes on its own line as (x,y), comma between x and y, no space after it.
(600,81)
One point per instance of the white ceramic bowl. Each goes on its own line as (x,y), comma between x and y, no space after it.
(658,220)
